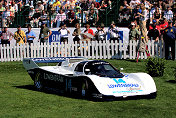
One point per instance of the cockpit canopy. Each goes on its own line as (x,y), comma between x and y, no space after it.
(100,68)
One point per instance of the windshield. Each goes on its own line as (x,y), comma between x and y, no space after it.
(102,69)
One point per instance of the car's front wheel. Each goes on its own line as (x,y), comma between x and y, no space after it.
(37,82)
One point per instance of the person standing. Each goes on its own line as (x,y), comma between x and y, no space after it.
(88,30)
(134,34)
(43,36)
(113,31)
(100,34)
(154,33)
(60,18)
(77,32)
(30,35)
(63,33)
(169,39)
(6,36)
(142,22)
(20,36)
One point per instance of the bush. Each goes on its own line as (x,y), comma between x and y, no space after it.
(155,66)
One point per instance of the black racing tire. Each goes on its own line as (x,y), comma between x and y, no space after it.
(85,89)
(152,95)
(37,82)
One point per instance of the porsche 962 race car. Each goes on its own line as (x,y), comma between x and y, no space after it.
(88,78)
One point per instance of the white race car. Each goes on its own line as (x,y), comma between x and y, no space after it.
(88,78)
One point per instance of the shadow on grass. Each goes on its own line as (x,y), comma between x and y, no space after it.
(171,81)
(57,92)
(107,99)
(132,60)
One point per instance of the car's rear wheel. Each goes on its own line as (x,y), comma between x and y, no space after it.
(37,82)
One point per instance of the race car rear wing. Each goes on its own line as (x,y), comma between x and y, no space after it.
(31,63)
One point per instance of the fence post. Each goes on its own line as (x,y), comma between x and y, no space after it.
(48,50)
(8,49)
(1,53)
(112,48)
(58,50)
(11,53)
(89,49)
(96,49)
(104,50)
(93,44)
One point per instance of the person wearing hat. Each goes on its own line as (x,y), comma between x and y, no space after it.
(113,31)
(39,7)
(31,13)
(43,36)
(20,36)
(6,36)
(30,35)
(169,39)
(134,34)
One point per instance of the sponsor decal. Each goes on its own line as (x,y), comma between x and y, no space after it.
(53,77)
(121,83)
(133,91)
(126,76)
(99,63)
(130,88)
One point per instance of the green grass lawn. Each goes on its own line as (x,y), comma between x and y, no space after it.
(16,101)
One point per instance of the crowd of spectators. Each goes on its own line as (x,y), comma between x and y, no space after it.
(54,12)
(151,9)
(151,20)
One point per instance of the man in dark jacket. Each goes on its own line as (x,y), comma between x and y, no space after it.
(169,39)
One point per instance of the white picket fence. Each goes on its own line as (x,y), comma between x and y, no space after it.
(90,50)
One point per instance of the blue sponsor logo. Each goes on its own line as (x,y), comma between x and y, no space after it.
(132,91)
(121,83)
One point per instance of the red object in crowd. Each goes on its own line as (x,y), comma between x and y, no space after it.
(164,26)
(97,5)
(90,31)
(157,27)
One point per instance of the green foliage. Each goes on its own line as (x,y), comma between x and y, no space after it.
(155,66)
